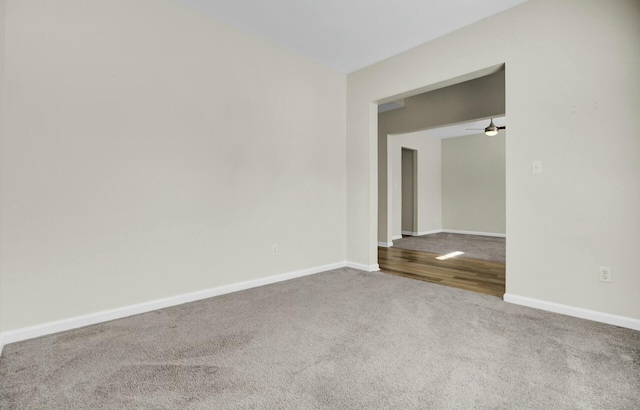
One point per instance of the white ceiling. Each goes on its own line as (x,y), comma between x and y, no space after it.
(350,34)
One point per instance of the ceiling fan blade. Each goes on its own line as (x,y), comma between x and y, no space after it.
(503,127)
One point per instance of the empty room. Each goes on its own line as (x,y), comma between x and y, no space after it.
(193,194)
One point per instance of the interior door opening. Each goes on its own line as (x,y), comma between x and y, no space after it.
(409,192)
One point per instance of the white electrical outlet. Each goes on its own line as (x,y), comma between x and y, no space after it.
(604,273)
(275,248)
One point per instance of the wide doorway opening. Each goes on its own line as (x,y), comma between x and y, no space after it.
(442,188)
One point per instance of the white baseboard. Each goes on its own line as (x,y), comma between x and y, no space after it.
(427,232)
(594,315)
(43,329)
(394,237)
(421,233)
(497,235)
(385,244)
(361,266)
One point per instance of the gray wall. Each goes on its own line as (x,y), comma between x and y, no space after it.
(479,98)
(151,151)
(408,190)
(473,183)
(2,128)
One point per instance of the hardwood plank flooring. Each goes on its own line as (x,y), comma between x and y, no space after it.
(470,274)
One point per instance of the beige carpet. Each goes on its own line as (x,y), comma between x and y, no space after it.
(339,339)
(474,246)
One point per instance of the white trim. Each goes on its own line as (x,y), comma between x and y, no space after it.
(385,244)
(427,232)
(394,237)
(497,235)
(361,266)
(420,233)
(43,329)
(1,342)
(594,315)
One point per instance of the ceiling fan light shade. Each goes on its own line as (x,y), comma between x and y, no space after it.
(491,130)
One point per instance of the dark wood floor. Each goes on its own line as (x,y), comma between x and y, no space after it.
(471,274)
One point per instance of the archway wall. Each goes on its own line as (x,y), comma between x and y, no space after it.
(573,66)
(428,178)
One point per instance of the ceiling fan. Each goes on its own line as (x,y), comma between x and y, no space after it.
(491,130)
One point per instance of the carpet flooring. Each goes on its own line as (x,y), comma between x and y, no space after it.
(338,339)
(474,246)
